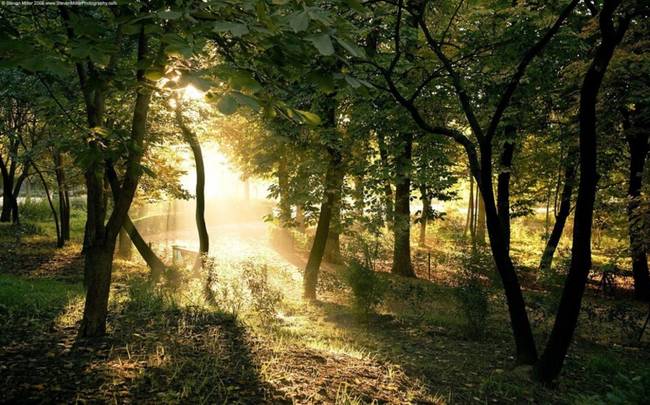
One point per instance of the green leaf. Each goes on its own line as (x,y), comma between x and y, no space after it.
(153,75)
(227,104)
(353,49)
(170,15)
(299,21)
(309,117)
(323,43)
(236,29)
(355,5)
(353,82)
(243,79)
(247,100)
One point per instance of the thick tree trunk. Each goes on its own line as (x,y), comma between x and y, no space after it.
(332,252)
(526,352)
(402,216)
(503,183)
(322,229)
(7,198)
(101,246)
(560,219)
(637,138)
(99,260)
(424,218)
(549,365)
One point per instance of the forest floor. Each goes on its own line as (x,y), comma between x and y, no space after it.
(165,345)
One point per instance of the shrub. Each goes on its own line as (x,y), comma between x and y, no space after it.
(234,288)
(368,290)
(35,210)
(145,298)
(623,389)
(264,298)
(472,293)
(366,248)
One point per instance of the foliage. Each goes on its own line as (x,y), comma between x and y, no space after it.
(264,298)
(472,293)
(368,289)
(622,389)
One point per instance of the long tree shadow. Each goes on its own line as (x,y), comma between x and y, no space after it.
(176,355)
(439,357)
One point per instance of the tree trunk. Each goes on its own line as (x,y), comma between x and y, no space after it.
(322,229)
(526,352)
(551,361)
(388,191)
(560,219)
(637,138)
(332,252)
(402,216)
(99,262)
(480,219)
(153,261)
(128,228)
(7,197)
(192,140)
(64,196)
(469,223)
(503,183)
(59,239)
(101,246)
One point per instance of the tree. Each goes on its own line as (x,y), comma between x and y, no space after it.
(550,363)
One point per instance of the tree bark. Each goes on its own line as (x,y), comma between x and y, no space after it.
(549,365)
(64,196)
(469,223)
(332,252)
(333,179)
(560,218)
(192,140)
(480,219)
(637,138)
(388,190)
(503,183)
(402,216)
(102,238)
(59,239)
(322,229)
(526,351)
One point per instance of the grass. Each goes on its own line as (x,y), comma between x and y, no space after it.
(167,344)
(39,297)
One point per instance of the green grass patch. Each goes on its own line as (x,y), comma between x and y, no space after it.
(20,296)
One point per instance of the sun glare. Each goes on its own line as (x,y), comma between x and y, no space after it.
(190,92)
